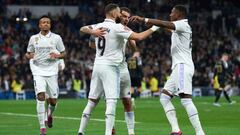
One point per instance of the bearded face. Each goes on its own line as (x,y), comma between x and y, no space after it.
(118,19)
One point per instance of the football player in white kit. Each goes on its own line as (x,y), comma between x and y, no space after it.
(44,64)
(180,81)
(109,39)
(125,82)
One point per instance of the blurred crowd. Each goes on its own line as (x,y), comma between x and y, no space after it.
(216,29)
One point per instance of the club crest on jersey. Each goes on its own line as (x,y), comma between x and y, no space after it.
(36,40)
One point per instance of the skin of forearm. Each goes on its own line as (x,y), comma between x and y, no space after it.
(86,29)
(62,55)
(160,23)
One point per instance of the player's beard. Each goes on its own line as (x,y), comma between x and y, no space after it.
(118,20)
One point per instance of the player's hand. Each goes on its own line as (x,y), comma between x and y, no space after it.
(29,55)
(137,19)
(212,81)
(136,54)
(99,32)
(54,55)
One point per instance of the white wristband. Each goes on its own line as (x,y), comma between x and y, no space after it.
(146,20)
(154,28)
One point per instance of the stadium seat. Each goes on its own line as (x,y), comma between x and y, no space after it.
(21,95)
(197,92)
(30,94)
(82,93)
(145,94)
(9,95)
(1,95)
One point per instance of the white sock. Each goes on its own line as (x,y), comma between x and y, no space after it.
(130,119)
(170,111)
(51,109)
(86,115)
(46,116)
(110,115)
(41,113)
(193,115)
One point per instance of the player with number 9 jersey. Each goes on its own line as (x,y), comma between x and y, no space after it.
(110,40)
(110,46)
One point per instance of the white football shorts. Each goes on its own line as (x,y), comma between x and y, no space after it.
(105,80)
(125,85)
(47,84)
(180,80)
(125,81)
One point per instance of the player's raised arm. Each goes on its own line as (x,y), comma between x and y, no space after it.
(142,35)
(132,45)
(89,30)
(160,23)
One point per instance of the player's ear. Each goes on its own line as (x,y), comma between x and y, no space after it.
(39,23)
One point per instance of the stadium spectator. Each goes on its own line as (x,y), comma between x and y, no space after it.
(153,82)
(77,86)
(17,85)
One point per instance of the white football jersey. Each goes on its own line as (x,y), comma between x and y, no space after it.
(123,66)
(109,48)
(181,48)
(42,46)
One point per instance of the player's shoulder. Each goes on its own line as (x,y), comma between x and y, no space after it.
(55,36)
(99,25)
(121,27)
(182,21)
(182,25)
(34,37)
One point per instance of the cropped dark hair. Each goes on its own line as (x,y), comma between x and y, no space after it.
(110,7)
(125,9)
(181,9)
(44,16)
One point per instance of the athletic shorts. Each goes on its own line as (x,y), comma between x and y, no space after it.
(125,81)
(47,84)
(136,82)
(125,85)
(180,80)
(105,80)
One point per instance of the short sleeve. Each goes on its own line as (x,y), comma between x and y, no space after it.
(60,47)
(180,26)
(30,47)
(123,31)
(93,26)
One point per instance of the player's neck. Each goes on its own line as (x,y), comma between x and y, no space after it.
(111,18)
(44,32)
